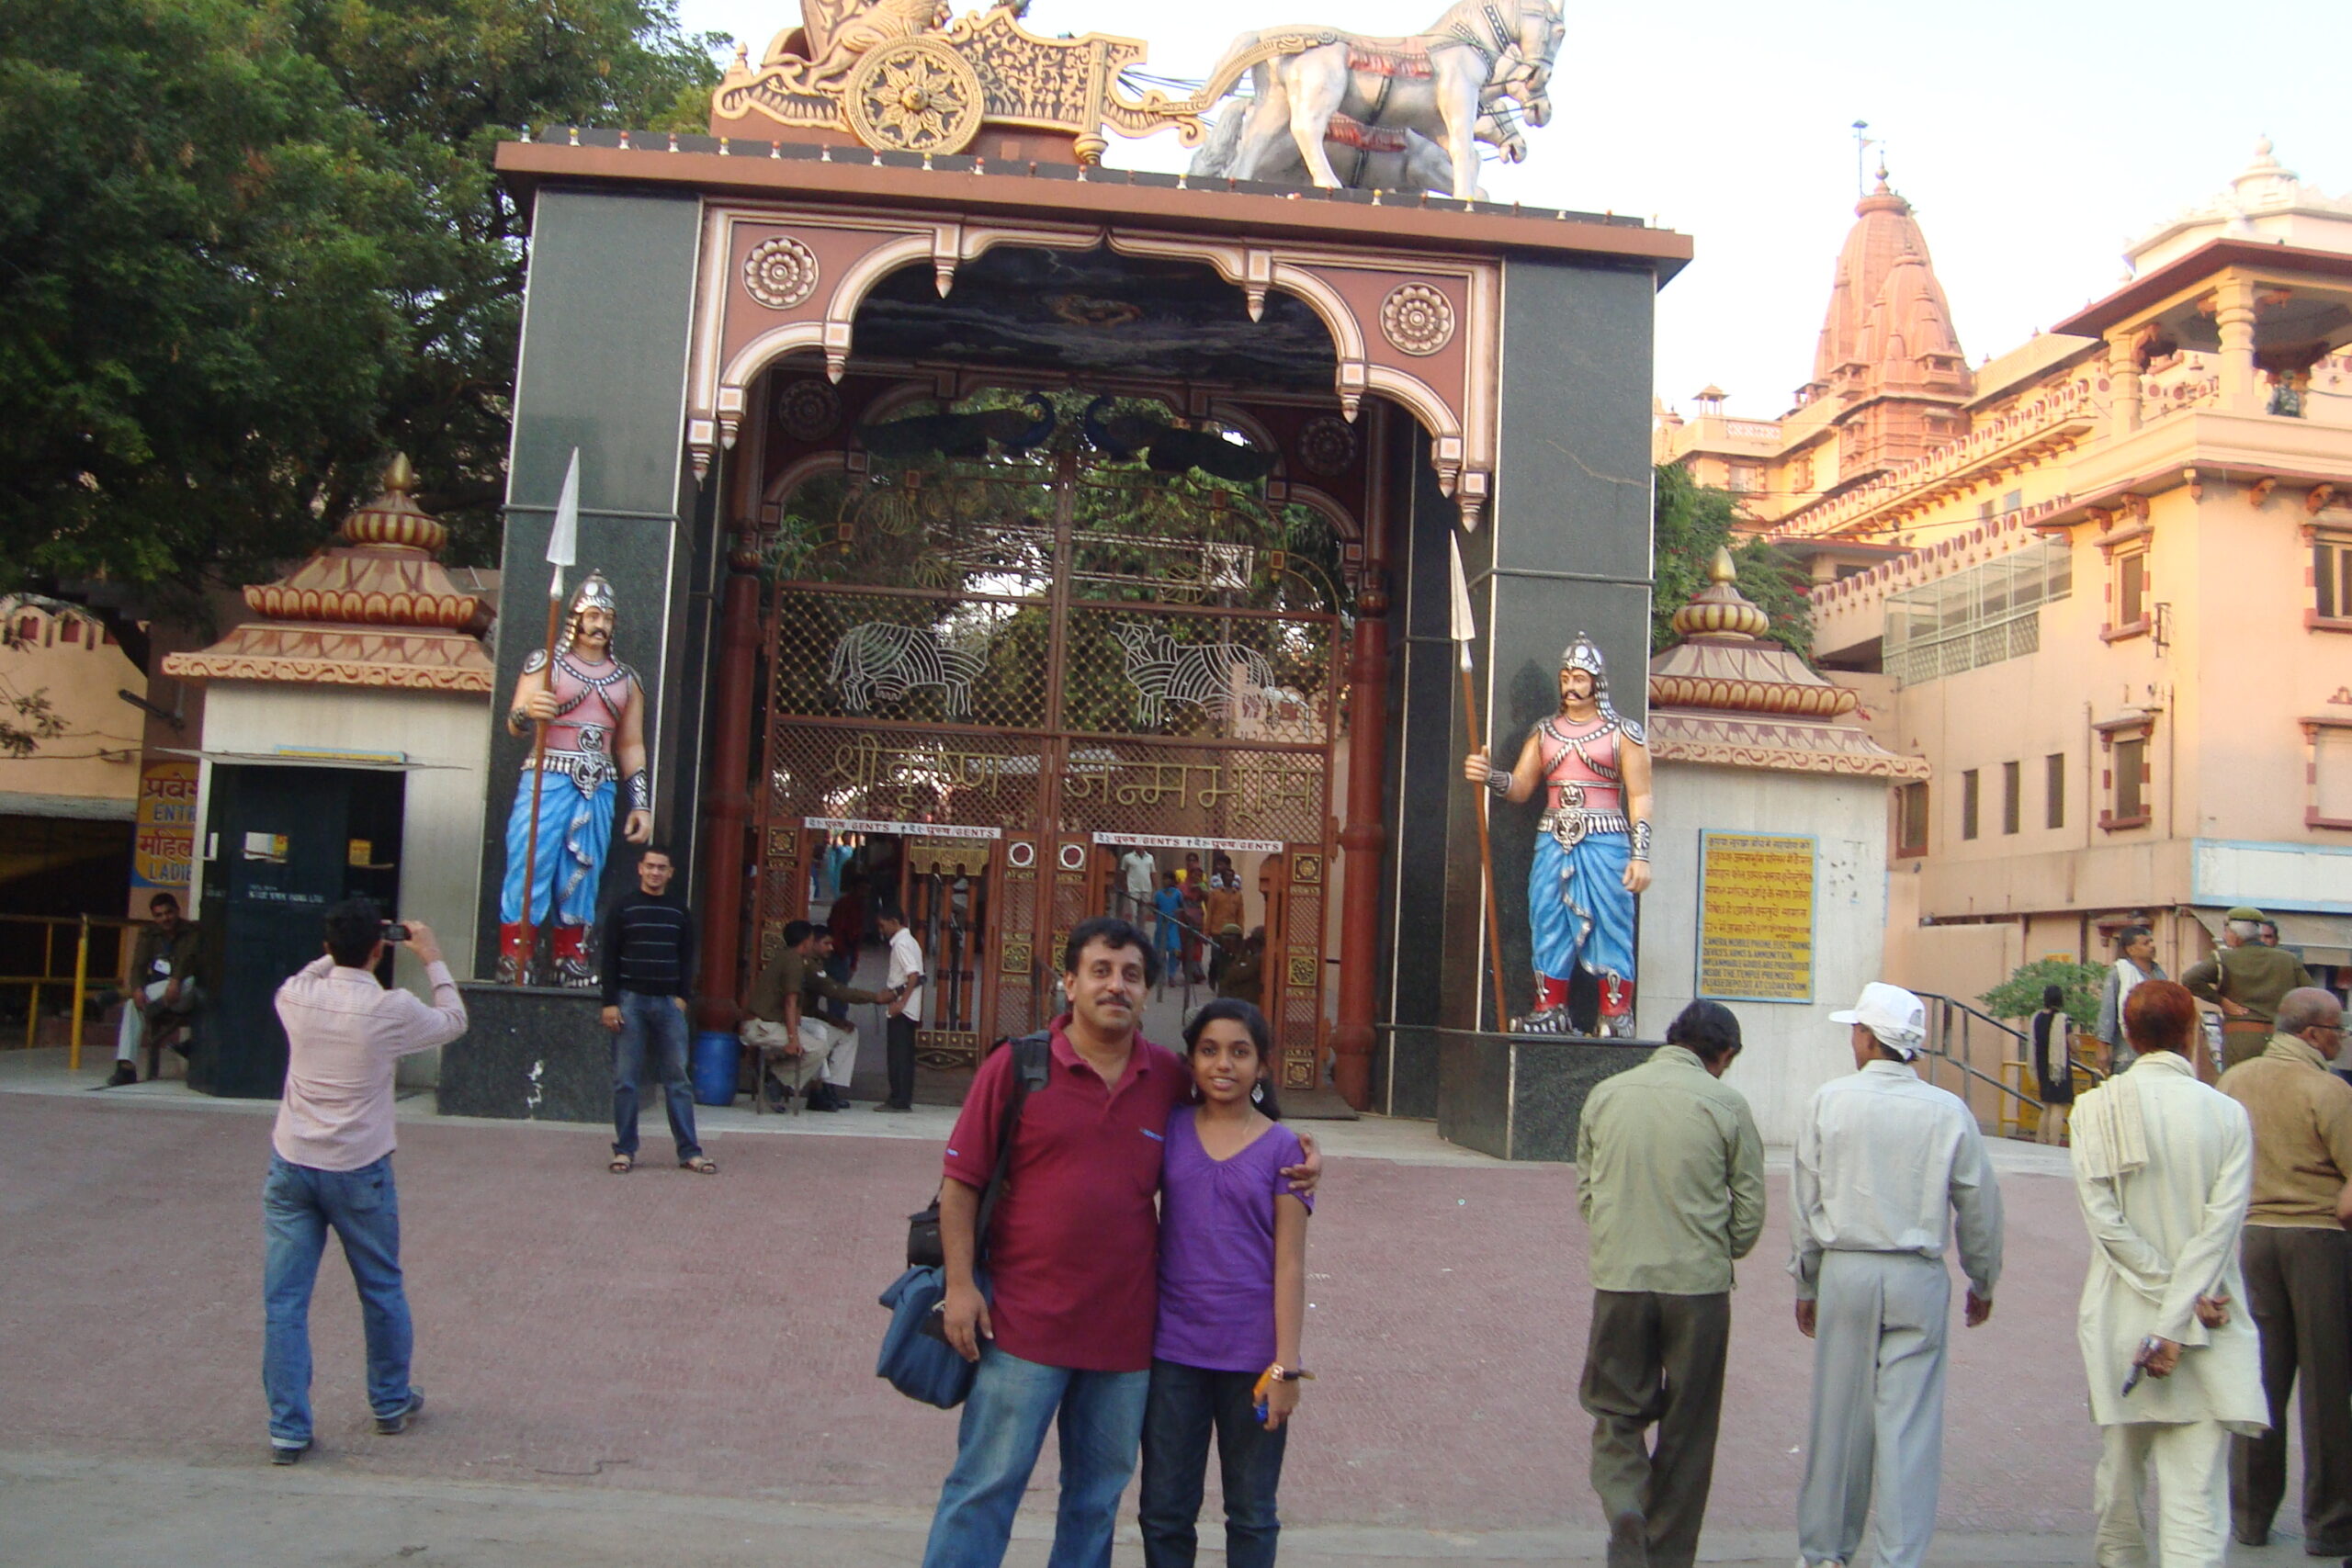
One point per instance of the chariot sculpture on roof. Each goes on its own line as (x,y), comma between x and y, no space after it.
(901,75)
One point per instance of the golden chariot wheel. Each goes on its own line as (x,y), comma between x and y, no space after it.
(914,95)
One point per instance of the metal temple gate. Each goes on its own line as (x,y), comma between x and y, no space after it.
(1020,667)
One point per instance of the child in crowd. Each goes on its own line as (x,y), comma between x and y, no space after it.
(1232,1291)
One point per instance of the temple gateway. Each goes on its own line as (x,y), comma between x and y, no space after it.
(999,514)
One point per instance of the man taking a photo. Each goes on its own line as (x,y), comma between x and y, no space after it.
(331,1164)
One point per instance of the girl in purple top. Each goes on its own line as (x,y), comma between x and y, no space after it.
(1232,1291)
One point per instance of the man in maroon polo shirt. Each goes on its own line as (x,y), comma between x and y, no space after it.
(1066,1329)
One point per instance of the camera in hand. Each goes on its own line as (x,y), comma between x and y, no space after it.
(393,931)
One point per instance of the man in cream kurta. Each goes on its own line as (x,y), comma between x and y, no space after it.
(2162,1166)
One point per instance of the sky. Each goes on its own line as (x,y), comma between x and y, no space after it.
(2035,138)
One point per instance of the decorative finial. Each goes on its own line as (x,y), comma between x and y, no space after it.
(1720,610)
(393,518)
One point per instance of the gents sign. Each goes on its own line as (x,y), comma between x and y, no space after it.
(1756,917)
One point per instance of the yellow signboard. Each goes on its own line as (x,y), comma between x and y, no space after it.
(1756,917)
(165,845)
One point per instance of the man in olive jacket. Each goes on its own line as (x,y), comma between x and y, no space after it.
(1671,1178)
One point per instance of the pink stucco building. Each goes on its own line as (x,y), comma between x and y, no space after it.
(2102,582)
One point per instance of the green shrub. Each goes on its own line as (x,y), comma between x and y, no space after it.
(2020,995)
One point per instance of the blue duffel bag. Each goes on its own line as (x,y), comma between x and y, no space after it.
(919,1365)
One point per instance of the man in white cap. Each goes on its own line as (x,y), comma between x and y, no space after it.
(1883,1163)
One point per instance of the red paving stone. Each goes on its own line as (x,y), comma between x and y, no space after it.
(717,1335)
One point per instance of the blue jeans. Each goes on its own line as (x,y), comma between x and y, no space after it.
(665,1020)
(1186,1403)
(298,1203)
(1012,1402)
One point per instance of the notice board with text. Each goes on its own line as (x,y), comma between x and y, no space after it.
(1756,917)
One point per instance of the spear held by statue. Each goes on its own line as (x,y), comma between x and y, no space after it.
(1465,631)
(563,544)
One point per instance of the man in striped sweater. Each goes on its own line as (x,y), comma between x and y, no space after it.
(647,962)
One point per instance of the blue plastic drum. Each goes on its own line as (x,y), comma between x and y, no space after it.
(714,1056)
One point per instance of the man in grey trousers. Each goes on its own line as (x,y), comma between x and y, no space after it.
(1885,1163)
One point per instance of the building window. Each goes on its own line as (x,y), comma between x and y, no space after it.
(69,630)
(2127,594)
(2327,773)
(2332,580)
(1746,479)
(1967,803)
(2126,779)
(2012,796)
(2053,789)
(1911,823)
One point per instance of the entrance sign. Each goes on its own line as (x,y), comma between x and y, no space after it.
(165,842)
(1756,917)
(922,829)
(1170,842)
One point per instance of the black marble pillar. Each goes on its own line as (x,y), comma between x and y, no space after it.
(606,328)
(531,1053)
(1521,1096)
(1566,549)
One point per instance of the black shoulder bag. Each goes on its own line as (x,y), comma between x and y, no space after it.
(916,1357)
(1032,1056)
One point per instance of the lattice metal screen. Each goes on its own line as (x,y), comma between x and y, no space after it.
(1054,648)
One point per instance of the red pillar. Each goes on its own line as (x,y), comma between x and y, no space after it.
(1361,839)
(726,802)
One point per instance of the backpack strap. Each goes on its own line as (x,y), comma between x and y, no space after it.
(1031,1061)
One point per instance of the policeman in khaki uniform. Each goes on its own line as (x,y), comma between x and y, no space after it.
(2246,979)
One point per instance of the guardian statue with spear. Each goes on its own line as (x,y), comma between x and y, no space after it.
(585,711)
(1591,766)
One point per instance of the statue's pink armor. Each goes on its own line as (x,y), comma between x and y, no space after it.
(1584,790)
(590,699)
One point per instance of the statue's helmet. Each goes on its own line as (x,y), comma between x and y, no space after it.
(593,594)
(1585,654)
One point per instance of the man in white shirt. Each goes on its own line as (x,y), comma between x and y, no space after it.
(2135,948)
(906,1012)
(1139,876)
(1883,1163)
(332,1162)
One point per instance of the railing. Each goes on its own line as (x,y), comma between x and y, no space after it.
(1948,1017)
(78,981)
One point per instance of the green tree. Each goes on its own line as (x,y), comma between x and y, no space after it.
(249,246)
(1692,522)
(2020,995)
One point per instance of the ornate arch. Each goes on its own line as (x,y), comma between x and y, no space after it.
(774,283)
(1423,331)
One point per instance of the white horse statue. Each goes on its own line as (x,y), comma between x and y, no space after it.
(1437,83)
(1369,157)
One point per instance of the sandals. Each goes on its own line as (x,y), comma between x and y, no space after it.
(701,1165)
(622,1165)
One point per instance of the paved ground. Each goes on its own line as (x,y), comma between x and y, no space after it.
(680,1368)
